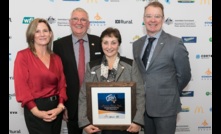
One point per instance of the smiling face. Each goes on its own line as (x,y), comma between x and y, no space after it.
(153,19)
(79,23)
(110,46)
(42,35)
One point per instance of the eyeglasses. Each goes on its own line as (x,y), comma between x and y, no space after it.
(82,20)
(151,16)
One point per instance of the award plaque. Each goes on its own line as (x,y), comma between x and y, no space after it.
(111,105)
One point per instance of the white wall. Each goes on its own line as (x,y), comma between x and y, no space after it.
(192,20)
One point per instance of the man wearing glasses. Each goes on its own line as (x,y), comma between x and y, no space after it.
(164,63)
(75,51)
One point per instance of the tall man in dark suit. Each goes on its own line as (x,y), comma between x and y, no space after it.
(68,49)
(166,73)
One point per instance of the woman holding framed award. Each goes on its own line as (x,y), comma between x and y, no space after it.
(112,68)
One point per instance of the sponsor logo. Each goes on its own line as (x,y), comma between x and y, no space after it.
(209,22)
(13,112)
(10,19)
(10,58)
(11,95)
(11,78)
(210,39)
(167,1)
(15,131)
(182,128)
(123,22)
(187,94)
(189,39)
(97,21)
(198,109)
(208,75)
(27,20)
(185,109)
(184,23)
(146,0)
(92,1)
(204,126)
(51,20)
(208,93)
(71,0)
(186,1)
(203,56)
(205,2)
(168,21)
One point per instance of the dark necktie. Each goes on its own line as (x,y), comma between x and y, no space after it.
(147,50)
(81,62)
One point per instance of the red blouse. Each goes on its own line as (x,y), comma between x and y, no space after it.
(32,79)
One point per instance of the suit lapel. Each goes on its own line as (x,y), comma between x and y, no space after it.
(140,47)
(120,70)
(158,48)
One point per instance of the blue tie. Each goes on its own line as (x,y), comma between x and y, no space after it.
(147,51)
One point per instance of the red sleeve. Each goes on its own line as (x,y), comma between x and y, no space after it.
(21,77)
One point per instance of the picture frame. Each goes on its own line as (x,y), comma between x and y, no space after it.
(111,105)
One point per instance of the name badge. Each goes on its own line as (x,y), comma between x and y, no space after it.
(97,53)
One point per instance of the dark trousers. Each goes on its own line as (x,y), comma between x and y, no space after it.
(159,125)
(72,125)
(36,125)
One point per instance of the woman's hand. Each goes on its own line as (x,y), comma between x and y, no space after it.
(91,129)
(134,128)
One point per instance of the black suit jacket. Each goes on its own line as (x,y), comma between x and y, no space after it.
(64,48)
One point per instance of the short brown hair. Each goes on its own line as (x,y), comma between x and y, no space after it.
(111,32)
(155,4)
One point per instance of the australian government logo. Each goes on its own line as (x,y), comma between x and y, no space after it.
(184,23)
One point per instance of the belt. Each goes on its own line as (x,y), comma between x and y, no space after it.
(52,98)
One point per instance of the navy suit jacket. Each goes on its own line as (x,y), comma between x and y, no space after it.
(64,48)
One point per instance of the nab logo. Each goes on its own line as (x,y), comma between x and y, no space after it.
(198,109)
(27,20)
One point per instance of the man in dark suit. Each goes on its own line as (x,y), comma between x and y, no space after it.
(166,72)
(68,49)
